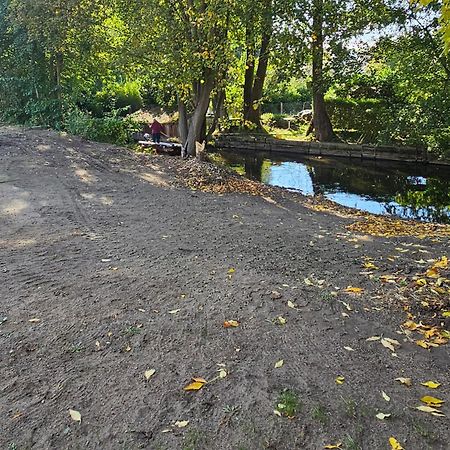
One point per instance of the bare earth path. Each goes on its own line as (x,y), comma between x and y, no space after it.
(108,270)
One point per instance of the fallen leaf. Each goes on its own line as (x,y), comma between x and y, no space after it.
(149,373)
(385,396)
(182,423)
(354,290)
(291,305)
(340,380)
(34,320)
(196,384)
(349,349)
(369,265)
(76,416)
(395,445)
(373,338)
(276,295)
(387,344)
(338,445)
(431,384)
(405,381)
(277,413)
(433,401)
(424,344)
(279,364)
(231,270)
(231,324)
(174,311)
(421,282)
(222,373)
(446,314)
(281,320)
(382,416)
(430,410)
(442,263)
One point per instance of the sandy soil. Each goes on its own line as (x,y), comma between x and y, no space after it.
(109,267)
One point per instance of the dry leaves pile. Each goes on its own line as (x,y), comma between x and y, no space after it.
(387,227)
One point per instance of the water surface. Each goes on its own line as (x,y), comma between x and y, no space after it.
(412,191)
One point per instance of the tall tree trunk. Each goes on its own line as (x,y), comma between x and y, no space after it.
(321,121)
(249,74)
(254,115)
(254,83)
(197,122)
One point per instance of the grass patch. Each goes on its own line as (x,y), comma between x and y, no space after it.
(288,403)
(351,444)
(320,414)
(349,407)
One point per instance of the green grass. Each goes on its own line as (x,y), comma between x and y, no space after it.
(351,444)
(349,407)
(132,330)
(320,414)
(288,403)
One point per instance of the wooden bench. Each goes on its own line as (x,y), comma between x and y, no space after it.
(170,148)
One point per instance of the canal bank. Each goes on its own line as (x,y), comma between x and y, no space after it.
(266,143)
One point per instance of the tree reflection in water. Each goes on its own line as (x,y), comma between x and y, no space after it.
(406,190)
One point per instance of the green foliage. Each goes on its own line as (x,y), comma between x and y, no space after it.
(107,129)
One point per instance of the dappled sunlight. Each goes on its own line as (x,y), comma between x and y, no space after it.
(17,243)
(104,200)
(153,178)
(15,207)
(43,148)
(85,176)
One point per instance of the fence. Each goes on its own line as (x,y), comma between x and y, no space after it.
(289,108)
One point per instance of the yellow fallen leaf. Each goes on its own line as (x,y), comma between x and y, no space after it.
(424,344)
(149,373)
(421,282)
(387,344)
(395,445)
(382,416)
(349,349)
(431,401)
(174,311)
(231,270)
(197,384)
(405,381)
(431,384)
(430,410)
(369,265)
(182,423)
(432,273)
(231,324)
(385,396)
(277,413)
(340,380)
(281,320)
(291,305)
(442,263)
(354,290)
(373,338)
(279,364)
(76,416)
(34,320)
(338,445)
(446,314)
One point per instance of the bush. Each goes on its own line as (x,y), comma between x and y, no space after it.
(110,129)
(438,142)
(274,120)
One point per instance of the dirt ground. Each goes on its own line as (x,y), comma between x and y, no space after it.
(110,267)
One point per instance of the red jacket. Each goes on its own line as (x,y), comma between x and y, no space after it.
(156,127)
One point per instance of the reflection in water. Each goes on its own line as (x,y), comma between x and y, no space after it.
(401,189)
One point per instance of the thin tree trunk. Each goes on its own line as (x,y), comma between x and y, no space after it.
(249,75)
(321,121)
(182,121)
(217,111)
